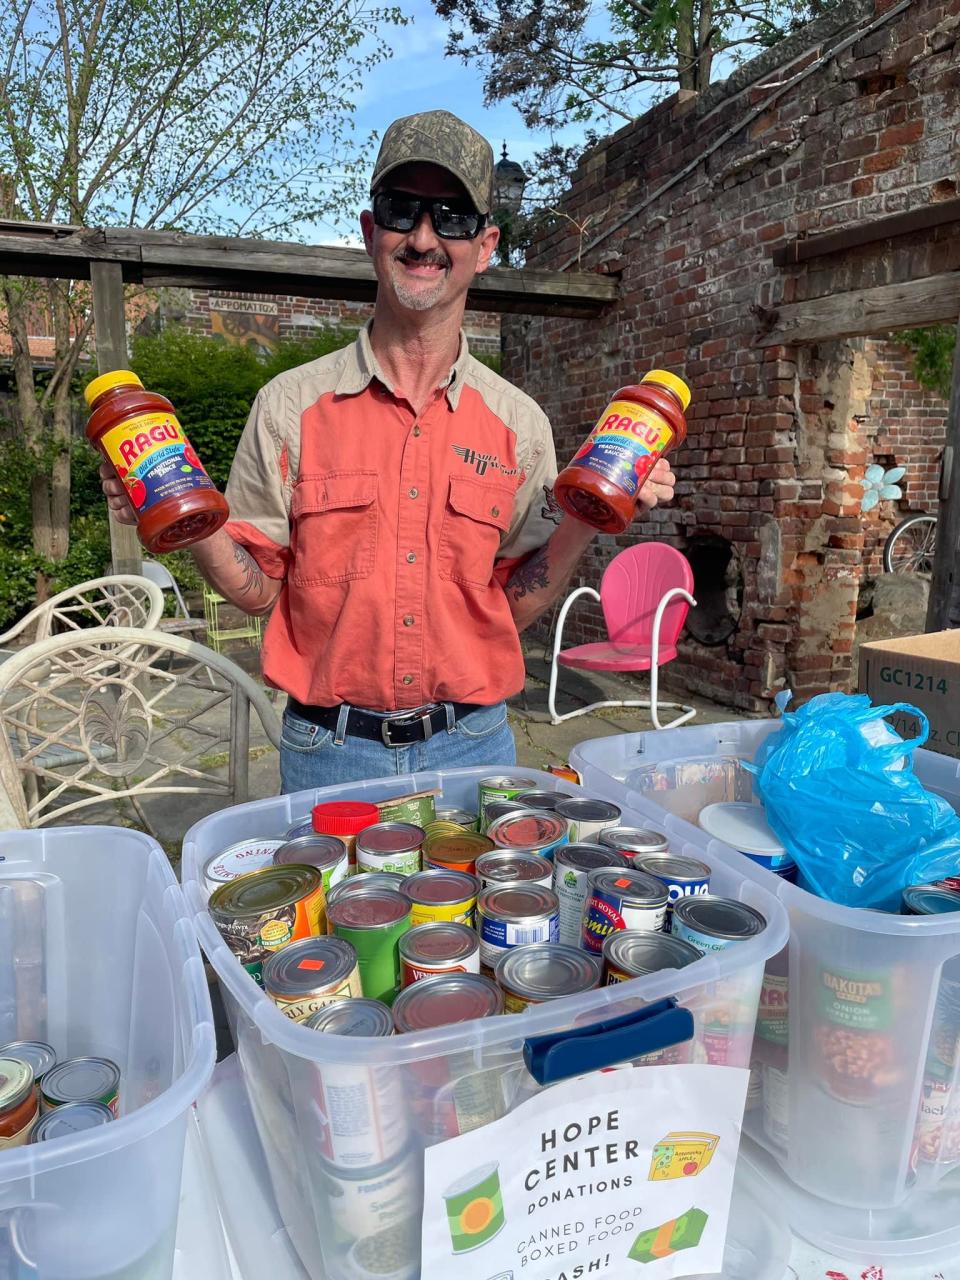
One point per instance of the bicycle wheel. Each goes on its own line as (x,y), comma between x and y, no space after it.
(910,546)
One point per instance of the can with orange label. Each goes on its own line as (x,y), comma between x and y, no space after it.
(456,852)
(264,911)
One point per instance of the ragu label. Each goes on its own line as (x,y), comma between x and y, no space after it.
(625,444)
(772,1014)
(154,459)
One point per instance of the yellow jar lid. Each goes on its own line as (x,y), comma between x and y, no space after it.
(107,381)
(672,383)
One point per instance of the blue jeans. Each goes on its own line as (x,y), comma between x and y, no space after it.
(313,757)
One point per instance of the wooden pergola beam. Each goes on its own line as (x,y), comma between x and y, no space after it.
(933,300)
(156,258)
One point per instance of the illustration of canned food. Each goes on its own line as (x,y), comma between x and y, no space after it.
(70,1119)
(82,1080)
(436,897)
(310,974)
(501,788)
(620,900)
(373,922)
(546,801)
(531,831)
(455,852)
(501,867)
(587,818)
(444,1000)
(366,1202)
(713,924)
(39,1055)
(633,953)
(327,853)
(857,1059)
(475,1208)
(513,916)
(390,846)
(544,971)
(264,911)
(433,949)
(681,1155)
(684,877)
(238,860)
(633,840)
(571,866)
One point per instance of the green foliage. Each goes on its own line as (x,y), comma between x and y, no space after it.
(491,361)
(933,351)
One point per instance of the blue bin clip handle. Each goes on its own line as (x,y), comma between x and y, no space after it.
(581,1049)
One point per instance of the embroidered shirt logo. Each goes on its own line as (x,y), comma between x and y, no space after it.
(481,462)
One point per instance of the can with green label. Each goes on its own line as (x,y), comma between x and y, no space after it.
(374,922)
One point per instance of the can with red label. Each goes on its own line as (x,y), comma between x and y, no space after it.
(433,949)
(621,900)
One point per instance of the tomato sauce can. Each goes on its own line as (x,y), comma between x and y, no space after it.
(373,922)
(238,860)
(571,866)
(530,830)
(621,900)
(310,974)
(512,916)
(684,877)
(18,1103)
(500,788)
(633,953)
(713,924)
(631,841)
(587,818)
(82,1080)
(503,867)
(544,971)
(442,897)
(434,949)
(390,846)
(456,852)
(264,911)
(327,853)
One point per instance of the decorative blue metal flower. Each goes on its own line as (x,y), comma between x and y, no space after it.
(880,486)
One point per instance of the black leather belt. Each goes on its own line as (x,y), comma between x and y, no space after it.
(400,730)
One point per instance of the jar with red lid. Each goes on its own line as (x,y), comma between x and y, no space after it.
(345,819)
(19,1102)
(137,432)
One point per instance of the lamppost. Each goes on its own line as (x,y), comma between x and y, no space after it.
(509,180)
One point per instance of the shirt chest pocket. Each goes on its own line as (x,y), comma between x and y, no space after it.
(476,515)
(335,522)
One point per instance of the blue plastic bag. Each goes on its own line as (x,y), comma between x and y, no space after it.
(840,793)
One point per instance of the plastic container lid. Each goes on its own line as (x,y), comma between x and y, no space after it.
(742,825)
(663,378)
(344,817)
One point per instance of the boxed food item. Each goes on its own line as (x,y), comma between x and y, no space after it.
(924,670)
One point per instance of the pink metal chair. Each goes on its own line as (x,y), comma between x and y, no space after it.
(645,594)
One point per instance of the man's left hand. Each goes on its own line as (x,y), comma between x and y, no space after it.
(658,487)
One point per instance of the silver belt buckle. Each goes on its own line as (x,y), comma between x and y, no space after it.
(408,719)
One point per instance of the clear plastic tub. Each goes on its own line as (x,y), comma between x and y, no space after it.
(855,1109)
(98,956)
(441,1082)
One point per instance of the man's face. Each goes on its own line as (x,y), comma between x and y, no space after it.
(417,267)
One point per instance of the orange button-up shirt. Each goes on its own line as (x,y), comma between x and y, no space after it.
(392,531)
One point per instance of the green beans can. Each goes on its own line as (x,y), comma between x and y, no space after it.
(327,853)
(390,846)
(374,922)
(500,788)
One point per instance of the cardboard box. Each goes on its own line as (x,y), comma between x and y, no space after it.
(923,671)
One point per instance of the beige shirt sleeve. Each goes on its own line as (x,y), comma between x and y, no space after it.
(256,490)
(535,512)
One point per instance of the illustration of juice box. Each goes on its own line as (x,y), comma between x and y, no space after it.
(684,1232)
(682,1155)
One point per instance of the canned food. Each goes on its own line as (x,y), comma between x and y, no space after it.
(546,801)
(633,840)
(684,877)
(18,1102)
(373,922)
(500,867)
(37,1053)
(368,1203)
(436,896)
(587,818)
(360,884)
(344,819)
(530,830)
(82,1080)
(327,853)
(711,924)
(514,915)
(442,828)
(433,949)
(620,900)
(70,1119)
(571,865)
(302,827)
(264,911)
(500,809)
(502,788)
(390,846)
(456,852)
(442,1001)
(857,1058)
(419,808)
(632,953)
(310,974)
(357,1017)
(929,900)
(744,826)
(544,971)
(238,860)
(462,817)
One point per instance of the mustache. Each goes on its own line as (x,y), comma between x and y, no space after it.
(432,257)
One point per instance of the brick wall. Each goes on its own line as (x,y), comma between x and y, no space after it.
(691,199)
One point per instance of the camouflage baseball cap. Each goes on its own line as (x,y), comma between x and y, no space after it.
(440,138)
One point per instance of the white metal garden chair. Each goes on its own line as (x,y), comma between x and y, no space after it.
(121,600)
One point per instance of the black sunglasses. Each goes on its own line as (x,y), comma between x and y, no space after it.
(451,219)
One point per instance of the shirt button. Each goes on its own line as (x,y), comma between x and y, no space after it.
(408,620)
(408,679)
(414,493)
(411,557)
(416,431)
(494,511)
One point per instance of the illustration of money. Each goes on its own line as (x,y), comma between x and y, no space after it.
(475,1208)
(682,1155)
(670,1237)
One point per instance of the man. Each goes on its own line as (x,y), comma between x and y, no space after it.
(392,502)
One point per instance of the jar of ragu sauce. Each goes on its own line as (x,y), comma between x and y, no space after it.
(601,484)
(19,1103)
(173,498)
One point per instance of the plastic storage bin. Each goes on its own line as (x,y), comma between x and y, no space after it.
(853,1112)
(434,1084)
(98,956)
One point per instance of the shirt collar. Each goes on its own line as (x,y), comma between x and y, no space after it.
(360,367)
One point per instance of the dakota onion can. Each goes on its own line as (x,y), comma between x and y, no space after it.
(632,953)
(530,830)
(633,840)
(587,818)
(514,915)
(435,896)
(684,877)
(247,855)
(373,922)
(434,949)
(264,911)
(571,865)
(544,971)
(712,924)
(503,867)
(327,853)
(621,900)
(82,1080)
(310,974)
(390,846)
(455,852)
(500,788)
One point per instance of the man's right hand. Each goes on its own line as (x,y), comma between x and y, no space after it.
(116,495)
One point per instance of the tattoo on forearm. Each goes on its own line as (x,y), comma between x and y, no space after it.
(533,575)
(252,573)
